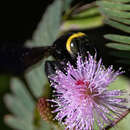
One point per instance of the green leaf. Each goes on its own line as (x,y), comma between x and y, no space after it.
(16,107)
(117,14)
(45,34)
(22,94)
(123,1)
(48,126)
(82,23)
(121,20)
(86,13)
(118,46)
(37,79)
(122,83)
(88,18)
(117,25)
(22,106)
(113,5)
(67,4)
(18,124)
(118,38)
(48,28)
(123,124)
(114,13)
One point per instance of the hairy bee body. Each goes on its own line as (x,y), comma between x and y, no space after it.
(66,49)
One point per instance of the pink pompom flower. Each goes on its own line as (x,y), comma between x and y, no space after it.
(82,98)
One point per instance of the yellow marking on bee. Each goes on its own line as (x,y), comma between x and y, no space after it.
(75,35)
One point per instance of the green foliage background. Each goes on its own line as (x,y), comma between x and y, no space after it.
(116,13)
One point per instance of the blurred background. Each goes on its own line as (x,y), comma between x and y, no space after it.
(18,21)
(22,23)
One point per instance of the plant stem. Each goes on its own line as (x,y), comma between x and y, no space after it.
(124,114)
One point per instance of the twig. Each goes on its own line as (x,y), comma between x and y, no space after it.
(78,8)
(84,7)
(117,120)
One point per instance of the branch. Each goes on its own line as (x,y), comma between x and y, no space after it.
(84,7)
(124,114)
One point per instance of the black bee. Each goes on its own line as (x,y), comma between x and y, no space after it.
(66,48)
(16,60)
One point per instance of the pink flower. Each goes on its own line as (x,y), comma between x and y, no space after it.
(82,99)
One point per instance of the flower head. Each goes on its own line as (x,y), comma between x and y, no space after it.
(82,98)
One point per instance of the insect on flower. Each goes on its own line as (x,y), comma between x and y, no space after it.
(16,59)
(82,98)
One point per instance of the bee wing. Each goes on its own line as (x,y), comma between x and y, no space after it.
(16,59)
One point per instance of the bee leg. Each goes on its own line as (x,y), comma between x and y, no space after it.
(50,67)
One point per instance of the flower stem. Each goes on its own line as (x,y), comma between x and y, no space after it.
(124,114)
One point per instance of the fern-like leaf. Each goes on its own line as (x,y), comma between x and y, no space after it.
(117,15)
